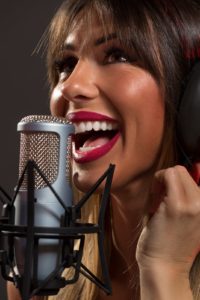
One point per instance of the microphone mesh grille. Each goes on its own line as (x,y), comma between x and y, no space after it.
(43,148)
(44,119)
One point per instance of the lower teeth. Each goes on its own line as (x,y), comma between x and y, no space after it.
(85,149)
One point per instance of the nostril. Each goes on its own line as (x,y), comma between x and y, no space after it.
(79,91)
(81,98)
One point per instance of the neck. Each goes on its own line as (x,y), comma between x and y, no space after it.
(128,210)
(128,207)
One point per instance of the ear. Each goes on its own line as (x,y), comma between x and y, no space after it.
(195,172)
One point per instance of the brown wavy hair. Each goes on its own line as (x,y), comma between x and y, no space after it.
(165,35)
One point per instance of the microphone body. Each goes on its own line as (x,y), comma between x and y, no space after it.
(45,140)
(41,225)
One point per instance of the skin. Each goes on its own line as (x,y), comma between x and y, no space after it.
(136,102)
(89,87)
(170,256)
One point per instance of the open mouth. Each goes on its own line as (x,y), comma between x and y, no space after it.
(93,139)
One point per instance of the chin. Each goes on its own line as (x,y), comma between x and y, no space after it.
(84,184)
(84,179)
(81,185)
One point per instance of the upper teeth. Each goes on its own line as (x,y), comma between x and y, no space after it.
(94,125)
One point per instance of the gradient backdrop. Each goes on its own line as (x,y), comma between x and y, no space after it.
(23,85)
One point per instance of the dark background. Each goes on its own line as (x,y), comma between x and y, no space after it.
(23,84)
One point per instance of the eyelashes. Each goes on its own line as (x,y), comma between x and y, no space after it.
(66,64)
(112,55)
(116,55)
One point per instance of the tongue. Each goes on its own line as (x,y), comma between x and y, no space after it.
(95,142)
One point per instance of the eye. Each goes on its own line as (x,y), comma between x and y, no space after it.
(66,65)
(116,55)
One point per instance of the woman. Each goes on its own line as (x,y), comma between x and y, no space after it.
(116,70)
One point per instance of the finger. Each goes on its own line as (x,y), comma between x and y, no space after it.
(170,179)
(180,188)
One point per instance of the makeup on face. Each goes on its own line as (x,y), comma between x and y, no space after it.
(95,134)
(116,106)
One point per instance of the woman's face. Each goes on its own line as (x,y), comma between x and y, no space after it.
(116,106)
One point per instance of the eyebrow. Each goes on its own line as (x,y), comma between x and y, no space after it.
(105,39)
(69,46)
(98,42)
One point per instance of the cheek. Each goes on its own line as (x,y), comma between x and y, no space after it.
(153,113)
(58,104)
(139,100)
(140,103)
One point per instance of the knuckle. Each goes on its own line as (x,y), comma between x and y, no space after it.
(194,208)
(170,172)
(180,169)
(178,208)
(191,209)
(176,170)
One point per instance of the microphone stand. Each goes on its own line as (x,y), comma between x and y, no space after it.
(27,283)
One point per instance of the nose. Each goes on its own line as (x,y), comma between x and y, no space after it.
(81,84)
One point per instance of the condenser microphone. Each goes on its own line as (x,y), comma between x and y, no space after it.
(41,226)
(44,140)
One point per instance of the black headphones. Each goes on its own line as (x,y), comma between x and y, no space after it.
(188,118)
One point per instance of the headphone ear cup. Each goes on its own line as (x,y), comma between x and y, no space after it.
(188,119)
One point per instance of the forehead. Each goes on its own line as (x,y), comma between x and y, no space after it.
(83,34)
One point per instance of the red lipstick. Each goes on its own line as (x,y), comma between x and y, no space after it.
(87,116)
(95,135)
(88,156)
